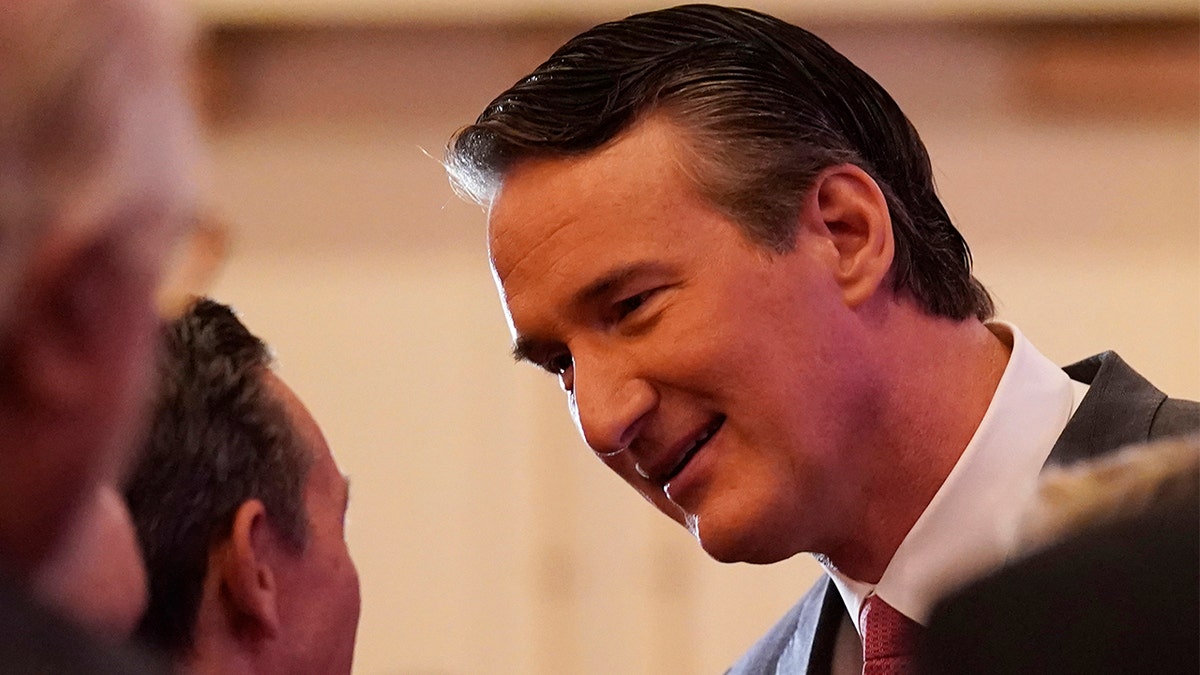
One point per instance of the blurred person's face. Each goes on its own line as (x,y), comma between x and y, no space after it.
(96,575)
(318,589)
(78,346)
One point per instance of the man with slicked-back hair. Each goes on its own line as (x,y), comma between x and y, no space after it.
(724,239)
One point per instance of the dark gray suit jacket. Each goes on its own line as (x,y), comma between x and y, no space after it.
(1120,408)
(1119,597)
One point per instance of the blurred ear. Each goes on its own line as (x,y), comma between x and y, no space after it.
(846,207)
(78,344)
(247,578)
(81,304)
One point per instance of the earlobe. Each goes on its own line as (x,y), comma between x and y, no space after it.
(853,214)
(247,576)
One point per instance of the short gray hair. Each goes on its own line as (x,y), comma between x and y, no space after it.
(85,87)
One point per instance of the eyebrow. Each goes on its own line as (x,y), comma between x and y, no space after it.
(613,279)
(526,349)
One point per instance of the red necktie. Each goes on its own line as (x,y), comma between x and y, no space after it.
(889,639)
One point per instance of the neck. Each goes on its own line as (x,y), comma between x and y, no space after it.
(207,665)
(223,643)
(942,376)
(217,655)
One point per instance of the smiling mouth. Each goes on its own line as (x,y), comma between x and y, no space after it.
(700,442)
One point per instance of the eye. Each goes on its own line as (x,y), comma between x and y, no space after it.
(629,305)
(564,367)
(559,364)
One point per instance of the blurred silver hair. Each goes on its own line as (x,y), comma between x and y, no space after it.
(1115,487)
(91,93)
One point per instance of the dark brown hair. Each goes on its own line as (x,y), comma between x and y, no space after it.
(765,105)
(218,439)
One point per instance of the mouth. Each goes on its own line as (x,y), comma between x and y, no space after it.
(693,448)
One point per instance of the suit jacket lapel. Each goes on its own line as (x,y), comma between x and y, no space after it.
(810,650)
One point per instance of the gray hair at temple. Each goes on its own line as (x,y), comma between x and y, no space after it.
(764,106)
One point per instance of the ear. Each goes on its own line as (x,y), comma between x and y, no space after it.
(76,350)
(248,579)
(82,303)
(846,207)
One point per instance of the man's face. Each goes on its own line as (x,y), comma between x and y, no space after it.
(319,588)
(721,381)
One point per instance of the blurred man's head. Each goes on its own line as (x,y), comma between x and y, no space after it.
(240,511)
(96,144)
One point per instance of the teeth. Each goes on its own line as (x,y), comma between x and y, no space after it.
(692,448)
(697,443)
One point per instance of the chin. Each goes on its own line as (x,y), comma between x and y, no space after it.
(737,544)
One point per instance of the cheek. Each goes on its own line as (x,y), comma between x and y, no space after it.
(130,388)
(720,333)
(342,569)
(721,369)
(353,588)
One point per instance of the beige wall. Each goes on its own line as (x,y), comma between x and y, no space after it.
(488,538)
(321,11)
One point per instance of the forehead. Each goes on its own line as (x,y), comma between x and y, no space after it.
(622,197)
(305,429)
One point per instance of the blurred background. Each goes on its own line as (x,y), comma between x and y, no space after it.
(1065,135)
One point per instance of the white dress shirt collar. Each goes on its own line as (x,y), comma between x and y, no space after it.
(970,526)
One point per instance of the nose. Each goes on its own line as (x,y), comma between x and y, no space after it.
(610,405)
